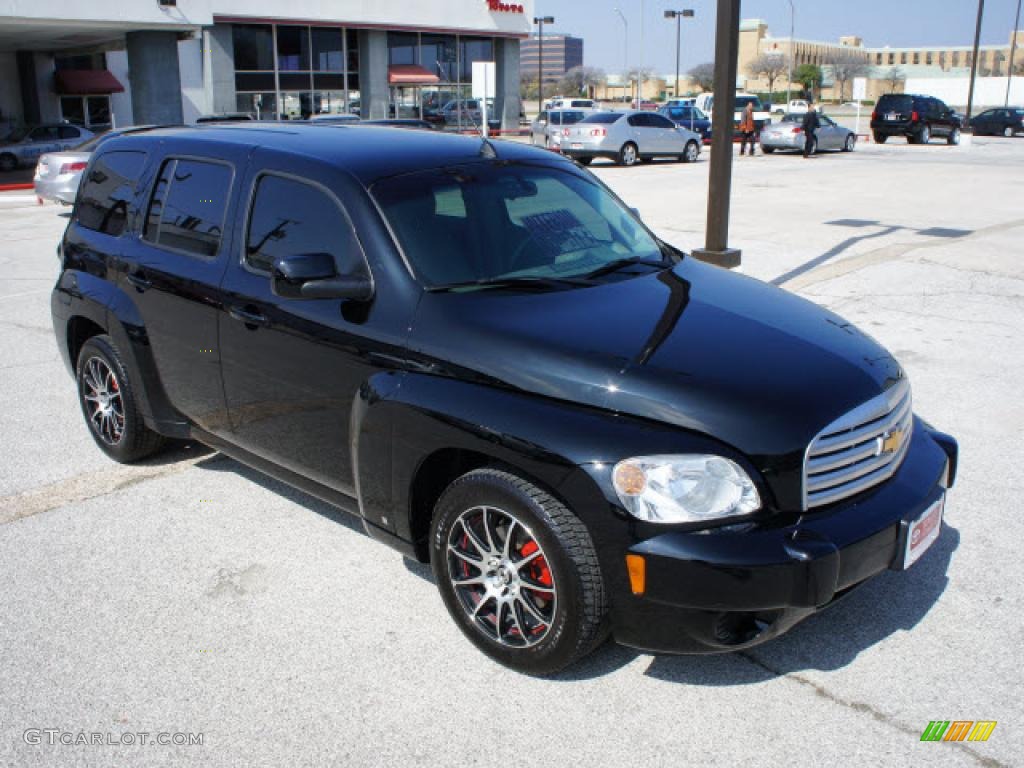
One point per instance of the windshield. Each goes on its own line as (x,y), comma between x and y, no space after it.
(497,221)
(602,117)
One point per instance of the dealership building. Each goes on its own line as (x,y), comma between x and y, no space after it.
(107,63)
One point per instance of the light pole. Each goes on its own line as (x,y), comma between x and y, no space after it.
(792,25)
(540,21)
(640,68)
(625,49)
(1013,50)
(974,61)
(678,15)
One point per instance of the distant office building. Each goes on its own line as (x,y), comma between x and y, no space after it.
(561,53)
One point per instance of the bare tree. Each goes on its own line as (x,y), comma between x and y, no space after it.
(896,78)
(581,80)
(770,66)
(703,75)
(638,75)
(846,64)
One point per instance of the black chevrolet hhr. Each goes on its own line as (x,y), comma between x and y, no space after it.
(479,350)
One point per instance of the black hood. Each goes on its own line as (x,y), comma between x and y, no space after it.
(696,346)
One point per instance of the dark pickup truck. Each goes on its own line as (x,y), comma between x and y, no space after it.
(485,355)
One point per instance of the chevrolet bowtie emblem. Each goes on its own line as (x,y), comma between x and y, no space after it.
(891,441)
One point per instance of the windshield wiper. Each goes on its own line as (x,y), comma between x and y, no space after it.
(617,264)
(527,282)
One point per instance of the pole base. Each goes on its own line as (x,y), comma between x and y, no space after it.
(728,258)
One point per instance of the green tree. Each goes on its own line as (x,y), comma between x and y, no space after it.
(809,76)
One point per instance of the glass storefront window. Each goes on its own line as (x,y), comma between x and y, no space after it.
(292,48)
(73,110)
(295,105)
(328,49)
(262,106)
(254,46)
(98,110)
(328,102)
(473,49)
(439,54)
(92,112)
(402,47)
(352,46)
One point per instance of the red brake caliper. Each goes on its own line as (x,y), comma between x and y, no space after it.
(539,572)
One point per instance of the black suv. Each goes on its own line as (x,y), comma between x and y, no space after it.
(919,118)
(482,353)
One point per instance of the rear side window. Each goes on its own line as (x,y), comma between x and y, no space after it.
(291,217)
(186,210)
(107,191)
(659,121)
(67,132)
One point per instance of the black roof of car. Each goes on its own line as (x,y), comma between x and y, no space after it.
(367,152)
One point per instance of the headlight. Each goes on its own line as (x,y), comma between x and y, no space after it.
(684,489)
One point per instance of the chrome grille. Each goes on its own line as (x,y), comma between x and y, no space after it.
(857,451)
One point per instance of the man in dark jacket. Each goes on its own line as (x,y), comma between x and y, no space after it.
(811,124)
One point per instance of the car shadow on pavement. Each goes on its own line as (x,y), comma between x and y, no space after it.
(832,639)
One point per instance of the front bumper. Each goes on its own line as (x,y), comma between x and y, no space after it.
(725,590)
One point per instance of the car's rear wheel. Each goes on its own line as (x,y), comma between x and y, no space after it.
(628,155)
(767,150)
(954,137)
(107,397)
(924,135)
(584,160)
(880,138)
(1008,131)
(517,572)
(8,162)
(848,144)
(691,153)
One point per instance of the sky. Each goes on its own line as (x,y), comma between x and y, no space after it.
(879,22)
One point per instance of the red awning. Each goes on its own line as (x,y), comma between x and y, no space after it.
(85,82)
(410,74)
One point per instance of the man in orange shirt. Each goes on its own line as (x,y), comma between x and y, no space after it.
(748,129)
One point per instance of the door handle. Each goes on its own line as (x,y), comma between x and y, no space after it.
(252,320)
(140,283)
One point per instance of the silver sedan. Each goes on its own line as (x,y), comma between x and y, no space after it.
(43,138)
(58,174)
(788,133)
(547,129)
(629,137)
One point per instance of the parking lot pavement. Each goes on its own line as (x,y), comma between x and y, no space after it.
(192,594)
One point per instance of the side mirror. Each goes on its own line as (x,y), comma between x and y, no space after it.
(314,276)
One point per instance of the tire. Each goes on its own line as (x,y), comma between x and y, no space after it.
(692,152)
(880,138)
(584,160)
(1008,131)
(107,398)
(848,144)
(8,162)
(505,612)
(767,150)
(954,137)
(628,155)
(924,135)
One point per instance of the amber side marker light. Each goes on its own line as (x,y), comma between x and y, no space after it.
(637,567)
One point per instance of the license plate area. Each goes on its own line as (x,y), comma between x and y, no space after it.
(576,145)
(919,534)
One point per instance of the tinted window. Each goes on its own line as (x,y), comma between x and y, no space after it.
(107,191)
(582,103)
(659,121)
(602,117)
(484,222)
(290,217)
(43,133)
(638,121)
(895,103)
(542,117)
(186,211)
(67,132)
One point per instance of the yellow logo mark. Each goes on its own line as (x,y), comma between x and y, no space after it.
(892,441)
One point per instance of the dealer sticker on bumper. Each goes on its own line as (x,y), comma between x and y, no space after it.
(923,532)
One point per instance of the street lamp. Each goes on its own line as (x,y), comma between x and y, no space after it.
(1013,50)
(789,80)
(677,15)
(540,21)
(625,49)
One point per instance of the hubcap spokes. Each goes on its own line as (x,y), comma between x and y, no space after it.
(103,402)
(501,577)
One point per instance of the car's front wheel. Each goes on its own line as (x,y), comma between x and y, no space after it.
(1008,131)
(584,160)
(628,155)
(107,397)
(517,571)
(848,144)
